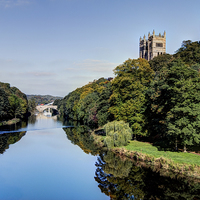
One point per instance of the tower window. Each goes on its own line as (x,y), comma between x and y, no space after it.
(159,44)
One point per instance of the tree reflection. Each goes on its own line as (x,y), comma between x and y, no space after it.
(121,179)
(124,179)
(80,136)
(114,177)
(7,139)
(32,119)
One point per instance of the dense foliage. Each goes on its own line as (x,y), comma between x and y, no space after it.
(173,103)
(159,99)
(189,53)
(128,97)
(13,103)
(31,105)
(42,99)
(88,104)
(118,133)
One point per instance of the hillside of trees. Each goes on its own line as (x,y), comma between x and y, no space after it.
(13,103)
(160,99)
(88,104)
(42,99)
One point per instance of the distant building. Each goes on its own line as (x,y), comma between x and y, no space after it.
(153,46)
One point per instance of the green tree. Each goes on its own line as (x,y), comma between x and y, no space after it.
(189,52)
(172,106)
(103,105)
(31,105)
(118,133)
(157,105)
(14,103)
(87,109)
(88,104)
(128,97)
(183,83)
(4,105)
(158,62)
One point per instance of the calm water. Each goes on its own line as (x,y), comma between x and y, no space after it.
(46,160)
(44,164)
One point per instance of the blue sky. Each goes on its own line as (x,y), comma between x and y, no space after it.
(54,46)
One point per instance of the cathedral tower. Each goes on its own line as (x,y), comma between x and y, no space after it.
(152,46)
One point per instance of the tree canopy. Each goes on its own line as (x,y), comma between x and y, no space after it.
(189,52)
(118,133)
(13,103)
(88,104)
(128,97)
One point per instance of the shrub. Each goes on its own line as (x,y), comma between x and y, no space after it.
(118,133)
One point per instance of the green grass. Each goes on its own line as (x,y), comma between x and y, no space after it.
(10,122)
(177,157)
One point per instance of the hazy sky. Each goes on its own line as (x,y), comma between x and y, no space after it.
(54,46)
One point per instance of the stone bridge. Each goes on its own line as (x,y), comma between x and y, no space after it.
(41,108)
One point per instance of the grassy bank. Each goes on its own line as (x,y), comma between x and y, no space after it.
(176,157)
(149,156)
(10,122)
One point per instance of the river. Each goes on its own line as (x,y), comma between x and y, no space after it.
(45,159)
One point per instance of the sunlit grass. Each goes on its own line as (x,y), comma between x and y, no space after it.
(177,157)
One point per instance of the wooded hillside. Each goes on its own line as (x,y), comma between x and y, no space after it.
(13,103)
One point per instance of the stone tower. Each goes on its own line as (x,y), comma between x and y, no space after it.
(152,46)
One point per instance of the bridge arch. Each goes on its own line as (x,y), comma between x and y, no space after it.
(41,108)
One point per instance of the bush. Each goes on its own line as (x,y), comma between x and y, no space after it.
(118,133)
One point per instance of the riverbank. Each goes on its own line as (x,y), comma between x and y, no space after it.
(10,122)
(147,155)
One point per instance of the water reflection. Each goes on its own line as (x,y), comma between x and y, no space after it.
(44,116)
(7,139)
(118,178)
(19,125)
(80,136)
(124,179)
(10,134)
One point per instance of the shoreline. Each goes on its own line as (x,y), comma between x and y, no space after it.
(10,122)
(162,164)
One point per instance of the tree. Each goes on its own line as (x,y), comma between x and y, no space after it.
(189,52)
(103,105)
(14,103)
(158,62)
(157,105)
(128,97)
(31,105)
(183,119)
(88,104)
(4,105)
(173,105)
(118,133)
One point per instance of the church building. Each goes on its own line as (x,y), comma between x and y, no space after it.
(152,46)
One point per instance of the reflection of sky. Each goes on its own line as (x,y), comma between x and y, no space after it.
(41,123)
(45,165)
